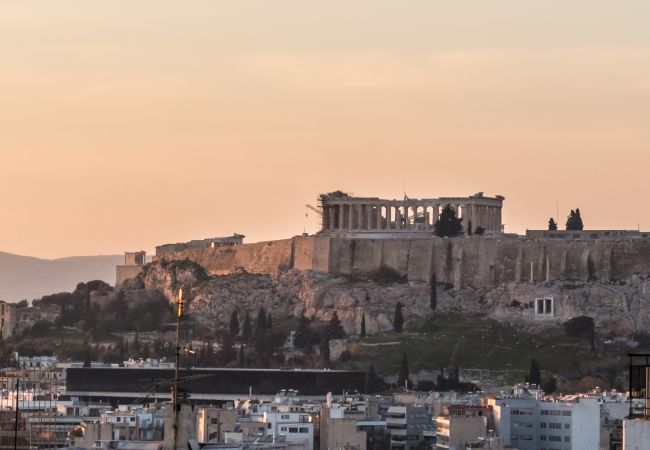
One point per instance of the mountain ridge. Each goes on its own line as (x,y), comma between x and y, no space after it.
(29,277)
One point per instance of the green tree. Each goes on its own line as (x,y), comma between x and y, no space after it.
(242,356)
(247,330)
(334,328)
(582,327)
(324,348)
(398,319)
(552,225)
(448,225)
(227,352)
(363,325)
(404,375)
(234,323)
(372,383)
(534,375)
(574,221)
(303,333)
(87,357)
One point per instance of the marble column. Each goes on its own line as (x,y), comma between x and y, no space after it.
(341,216)
(369,216)
(332,217)
(350,217)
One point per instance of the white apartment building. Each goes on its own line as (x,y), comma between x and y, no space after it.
(293,427)
(527,423)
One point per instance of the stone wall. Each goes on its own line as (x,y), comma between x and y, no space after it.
(461,262)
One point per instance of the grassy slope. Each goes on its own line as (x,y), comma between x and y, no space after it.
(450,340)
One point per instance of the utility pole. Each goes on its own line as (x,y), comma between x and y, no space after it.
(175,393)
(16,424)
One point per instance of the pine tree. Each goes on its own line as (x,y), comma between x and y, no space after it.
(363,325)
(552,225)
(234,324)
(246,331)
(404,374)
(534,375)
(448,225)
(334,327)
(398,319)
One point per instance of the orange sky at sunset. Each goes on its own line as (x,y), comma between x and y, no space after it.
(124,125)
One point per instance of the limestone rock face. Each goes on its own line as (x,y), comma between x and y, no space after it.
(619,309)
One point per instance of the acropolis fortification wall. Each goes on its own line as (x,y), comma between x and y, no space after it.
(465,261)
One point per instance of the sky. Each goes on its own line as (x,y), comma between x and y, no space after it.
(125,125)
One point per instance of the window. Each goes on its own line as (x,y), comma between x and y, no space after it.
(284,416)
(269,425)
(283,429)
(567,425)
(567,439)
(566,413)
(555,438)
(304,430)
(543,425)
(544,306)
(555,425)
(293,429)
(542,437)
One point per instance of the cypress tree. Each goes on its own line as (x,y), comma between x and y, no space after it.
(552,225)
(398,319)
(534,375)
(324,348)
(404,374)
(334,327)
(303,333)
(246,331)
(363,325)
(372,383)
(234,324)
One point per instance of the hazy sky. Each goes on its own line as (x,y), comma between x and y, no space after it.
(126,124)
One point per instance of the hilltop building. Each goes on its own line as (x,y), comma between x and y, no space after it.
(133,264)
(200,244)
(375,217)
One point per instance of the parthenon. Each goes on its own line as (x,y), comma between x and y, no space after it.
(344,213)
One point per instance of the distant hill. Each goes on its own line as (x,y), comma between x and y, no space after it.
(25,277)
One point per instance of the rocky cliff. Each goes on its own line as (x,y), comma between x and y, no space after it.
(619,308)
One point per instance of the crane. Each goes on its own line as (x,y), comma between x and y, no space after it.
(314,209)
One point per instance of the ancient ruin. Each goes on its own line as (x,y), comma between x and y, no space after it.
(344,213)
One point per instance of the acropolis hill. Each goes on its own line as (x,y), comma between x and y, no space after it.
(363,236)
(387,252)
